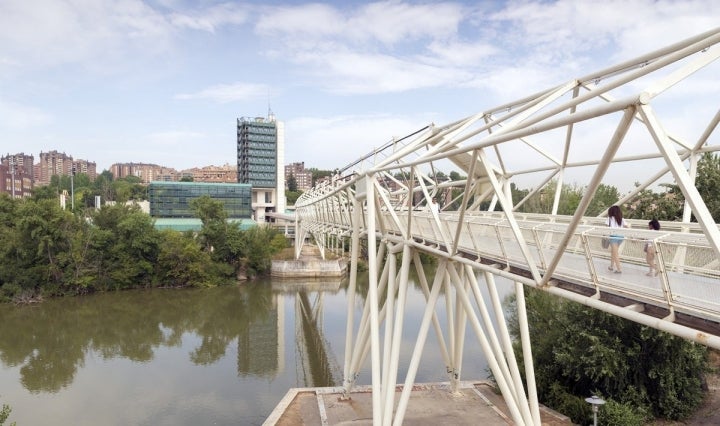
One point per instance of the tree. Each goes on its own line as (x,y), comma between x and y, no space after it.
(605,196)
(182,262)
(318,174)
(292,196)
(707,182)
(125,247)
(580,351)
(665,205)
(292,183)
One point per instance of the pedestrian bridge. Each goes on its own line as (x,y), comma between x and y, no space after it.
(651,120)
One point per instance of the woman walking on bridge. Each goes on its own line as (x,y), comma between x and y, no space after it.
(615,220)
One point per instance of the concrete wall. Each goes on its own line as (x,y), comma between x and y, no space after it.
(309,268)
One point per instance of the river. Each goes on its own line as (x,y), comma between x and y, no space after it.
(219,356)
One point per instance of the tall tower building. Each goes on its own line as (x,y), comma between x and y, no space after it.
(260,157)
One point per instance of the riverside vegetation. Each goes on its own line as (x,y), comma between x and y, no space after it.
(48,251)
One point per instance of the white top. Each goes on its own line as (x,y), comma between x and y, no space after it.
(611,222)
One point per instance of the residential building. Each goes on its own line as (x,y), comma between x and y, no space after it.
(219,174)
(260,154)
(87,167)
(17,175)
(52,163)
(303,178)
(55,163)
(145,172)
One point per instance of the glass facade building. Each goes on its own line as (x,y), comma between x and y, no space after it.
(257,146)
(172,199)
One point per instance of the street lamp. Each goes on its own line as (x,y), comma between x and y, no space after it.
(72,190)
(596,402)
(12,172)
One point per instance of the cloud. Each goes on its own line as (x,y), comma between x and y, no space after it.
(382,47)
(225,93)
(392,22)
(212,18)
(339,140)
(52,32)
(16,116)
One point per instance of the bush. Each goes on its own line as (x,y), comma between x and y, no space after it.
(579,351)
(620,414)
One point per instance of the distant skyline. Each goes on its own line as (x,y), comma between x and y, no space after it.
(163,81)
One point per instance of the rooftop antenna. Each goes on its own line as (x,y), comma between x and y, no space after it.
(271,116)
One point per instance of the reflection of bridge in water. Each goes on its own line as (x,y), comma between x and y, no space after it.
(316,364)
(615,122)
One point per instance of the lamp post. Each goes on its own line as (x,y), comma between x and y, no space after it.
(72,190)
(12,173)
(596,402)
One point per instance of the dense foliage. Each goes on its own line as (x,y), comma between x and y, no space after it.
(579,351)
(45,250)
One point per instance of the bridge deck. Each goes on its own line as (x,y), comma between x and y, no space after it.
(687,284)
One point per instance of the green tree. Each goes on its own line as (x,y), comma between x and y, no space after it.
(42,229)
(579,351)
(260,245)
(708,182)
(182,262)
(318,174)
(292,183)
(125,247)
(102,186)
(605,196)
(292,197)
(664,205)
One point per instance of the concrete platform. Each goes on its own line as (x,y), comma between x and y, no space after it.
(430,404)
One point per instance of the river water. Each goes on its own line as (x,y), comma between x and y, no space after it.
(220,356)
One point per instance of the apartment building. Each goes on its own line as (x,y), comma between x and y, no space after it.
(145,172)
(303,178)
(17,175)
(56,163)
(217,174)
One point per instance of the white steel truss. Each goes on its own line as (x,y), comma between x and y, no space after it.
(624,114)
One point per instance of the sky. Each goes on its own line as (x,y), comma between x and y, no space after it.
(164,81)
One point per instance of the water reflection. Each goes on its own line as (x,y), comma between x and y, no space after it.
(240,347)
(49,342)
(316,364)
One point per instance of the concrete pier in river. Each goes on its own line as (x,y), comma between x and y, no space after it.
(310,264)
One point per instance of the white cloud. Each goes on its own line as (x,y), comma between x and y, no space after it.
(333,142)
(16,116)
(50,32)
(212,18)
(391,22)
(224,93)
(301,21)
(378,48)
